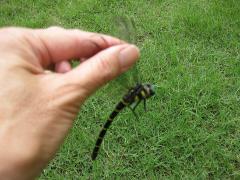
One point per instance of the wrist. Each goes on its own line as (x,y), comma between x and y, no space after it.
(18,159)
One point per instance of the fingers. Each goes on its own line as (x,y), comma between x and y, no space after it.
(103,67)
(58,44)
(63,67)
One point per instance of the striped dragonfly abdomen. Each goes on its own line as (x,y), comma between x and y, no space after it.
(139,93)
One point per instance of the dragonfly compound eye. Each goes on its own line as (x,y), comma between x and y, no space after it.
(151,90)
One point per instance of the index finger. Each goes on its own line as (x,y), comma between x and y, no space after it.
(56,44)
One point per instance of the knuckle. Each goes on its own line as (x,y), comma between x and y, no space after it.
(13,31)
(77,31)
(8,29)
(55,28)
(16,38)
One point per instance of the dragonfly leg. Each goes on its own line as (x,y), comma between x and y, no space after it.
(134,107)
(135,114)
(145,105)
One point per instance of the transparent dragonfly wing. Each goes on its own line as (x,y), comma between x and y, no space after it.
(122,28)
(125,29)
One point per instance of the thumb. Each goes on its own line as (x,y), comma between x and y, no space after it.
(103,67)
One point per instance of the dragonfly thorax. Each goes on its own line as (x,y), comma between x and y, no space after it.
(139,92)
(149,90)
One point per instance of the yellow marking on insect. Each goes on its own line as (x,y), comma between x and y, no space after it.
(117,110)
(124,102)
(143,93)
(136,98)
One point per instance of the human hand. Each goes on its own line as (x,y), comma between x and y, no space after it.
(37,107)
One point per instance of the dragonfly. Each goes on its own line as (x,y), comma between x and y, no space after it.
(136,94)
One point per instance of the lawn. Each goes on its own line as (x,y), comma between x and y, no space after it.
(191,52)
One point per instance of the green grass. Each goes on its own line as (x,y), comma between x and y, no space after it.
(191,50)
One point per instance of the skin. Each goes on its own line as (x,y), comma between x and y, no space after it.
(41,95)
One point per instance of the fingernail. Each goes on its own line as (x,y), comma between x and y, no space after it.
(128,56)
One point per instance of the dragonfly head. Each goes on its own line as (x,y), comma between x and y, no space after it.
(149,88)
